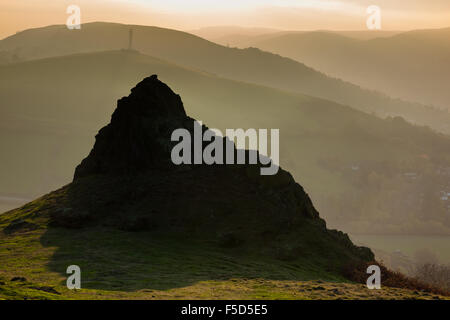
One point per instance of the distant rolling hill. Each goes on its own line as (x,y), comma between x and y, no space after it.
(249,65)
(51,109)
(241,37)
(215,33)
(412,65)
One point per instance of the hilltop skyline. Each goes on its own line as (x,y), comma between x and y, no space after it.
(19,15)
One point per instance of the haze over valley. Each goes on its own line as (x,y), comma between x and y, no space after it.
(364,122)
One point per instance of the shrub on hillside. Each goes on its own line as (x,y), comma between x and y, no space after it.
(357,271)
(434,274)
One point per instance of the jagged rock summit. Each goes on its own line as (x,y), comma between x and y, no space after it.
(129,182)
(138,136)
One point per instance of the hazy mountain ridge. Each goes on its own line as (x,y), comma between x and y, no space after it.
(241,37)
(249,65)
(412,65)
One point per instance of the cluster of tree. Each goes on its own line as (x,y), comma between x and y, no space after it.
(389,197)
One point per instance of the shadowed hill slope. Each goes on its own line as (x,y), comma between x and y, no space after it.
(244,37)
(249,65)
(49,118)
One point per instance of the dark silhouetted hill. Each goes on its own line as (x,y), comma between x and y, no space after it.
(128,182)
(343,157)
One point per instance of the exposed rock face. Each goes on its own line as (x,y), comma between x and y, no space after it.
(138,140)
(138,136)
(128,181)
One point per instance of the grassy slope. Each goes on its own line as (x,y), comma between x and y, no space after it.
(250,65)
(53,107)
(123,265)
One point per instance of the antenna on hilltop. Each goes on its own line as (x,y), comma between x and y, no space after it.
(130,40)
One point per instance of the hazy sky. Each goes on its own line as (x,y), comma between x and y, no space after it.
(16,15)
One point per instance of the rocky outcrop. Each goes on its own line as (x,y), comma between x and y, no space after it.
(129,181)
(138,136)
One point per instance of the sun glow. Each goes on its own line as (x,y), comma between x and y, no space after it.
(240,5)
(17,15)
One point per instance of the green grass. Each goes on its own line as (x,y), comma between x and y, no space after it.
(124,265)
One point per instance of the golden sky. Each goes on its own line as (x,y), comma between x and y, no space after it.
(17,15)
